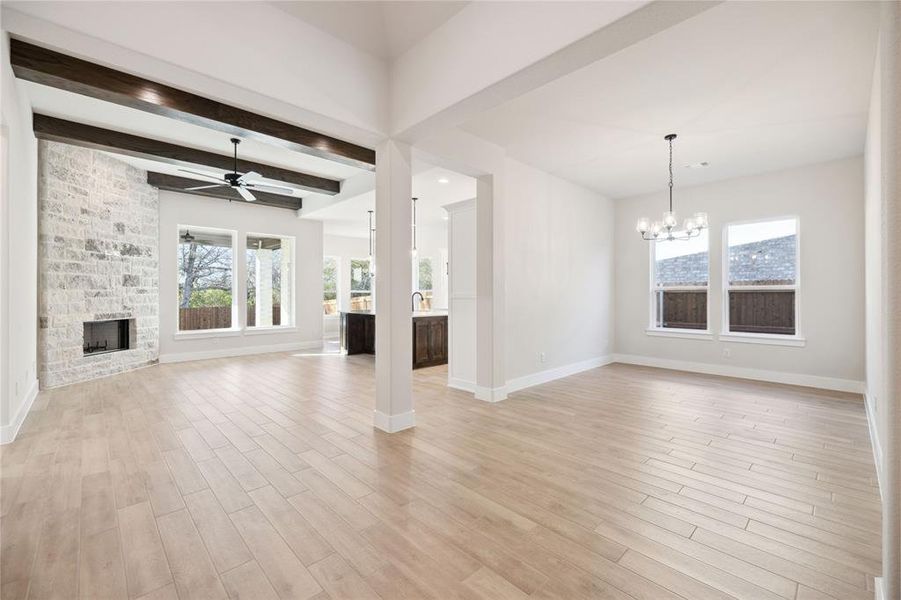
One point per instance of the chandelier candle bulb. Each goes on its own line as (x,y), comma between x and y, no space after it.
(643,226)
(701,220)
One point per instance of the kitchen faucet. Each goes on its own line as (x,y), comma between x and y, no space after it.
(413,300)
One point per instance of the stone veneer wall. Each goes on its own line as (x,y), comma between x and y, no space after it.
(98,225)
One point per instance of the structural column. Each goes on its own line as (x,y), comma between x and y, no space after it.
(490,294)
(393,273)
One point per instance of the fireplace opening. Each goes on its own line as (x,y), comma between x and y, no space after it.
(106,336)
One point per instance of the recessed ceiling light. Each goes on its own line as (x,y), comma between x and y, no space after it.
(698,165)
(443,180)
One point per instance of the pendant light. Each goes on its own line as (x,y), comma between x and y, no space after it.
(666,229)
(413,228)
(371,232)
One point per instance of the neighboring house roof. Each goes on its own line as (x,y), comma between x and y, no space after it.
(765,262)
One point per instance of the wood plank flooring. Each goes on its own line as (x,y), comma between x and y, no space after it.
(262,477)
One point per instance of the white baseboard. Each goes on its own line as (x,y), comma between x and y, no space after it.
(874,439)
(526,381)
(240,351)
(488,394)
(393,423)
(880,589)
(814,381)
(9,432)
(461,384)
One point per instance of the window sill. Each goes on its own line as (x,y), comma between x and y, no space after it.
(272,329)
(688,334)
(764,338)
(206,333)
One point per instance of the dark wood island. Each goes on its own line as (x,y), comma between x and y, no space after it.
(429,336)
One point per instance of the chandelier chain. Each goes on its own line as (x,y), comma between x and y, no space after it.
(671,175)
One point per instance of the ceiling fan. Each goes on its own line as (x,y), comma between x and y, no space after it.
(240,182)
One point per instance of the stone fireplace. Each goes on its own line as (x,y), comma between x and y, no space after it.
(98,226)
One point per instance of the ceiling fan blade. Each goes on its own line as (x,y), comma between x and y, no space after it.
(248,176)
(245,194)
(204,187)
(210,176)
(274,189)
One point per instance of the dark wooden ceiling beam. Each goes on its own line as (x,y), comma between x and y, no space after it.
(47,67)
(88,136)
(179,184)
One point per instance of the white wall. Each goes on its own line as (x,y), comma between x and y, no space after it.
(875,239)
(559,274)
(883,291)
(182,209)
(18,255)
(828,198)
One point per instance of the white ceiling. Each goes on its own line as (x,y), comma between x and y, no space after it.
(383,29)
(350,217)
(748,86)
(83,109)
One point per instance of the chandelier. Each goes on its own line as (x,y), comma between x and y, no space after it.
(666,229)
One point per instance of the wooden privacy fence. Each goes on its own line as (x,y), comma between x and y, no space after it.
(758,311)
(218,317)
(683,309)
(750,311)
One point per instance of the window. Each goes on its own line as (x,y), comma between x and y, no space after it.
(679,283)
(270,281)
(206,298)
(762,277)
(422,273)
(329,285)
(360,284)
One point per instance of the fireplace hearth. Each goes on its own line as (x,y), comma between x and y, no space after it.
(101,337)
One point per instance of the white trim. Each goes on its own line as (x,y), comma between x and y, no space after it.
(724,257)
(393,423)
(244,351)
(814,381)
(688,334)
(206,333)
(270,329)
(488,394)
(527,381)
(874,438)
(879,588)
(461,384)
(771,339)
(9,432)
(655,289)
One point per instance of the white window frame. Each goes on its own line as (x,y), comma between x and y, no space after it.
(235,329)
(263,329)
(653,329)
(338,287)
(773,339)
(350,275)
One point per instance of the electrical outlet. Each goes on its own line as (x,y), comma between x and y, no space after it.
(541,357)
(727,352)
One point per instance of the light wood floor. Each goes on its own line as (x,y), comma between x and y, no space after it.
(262,477)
